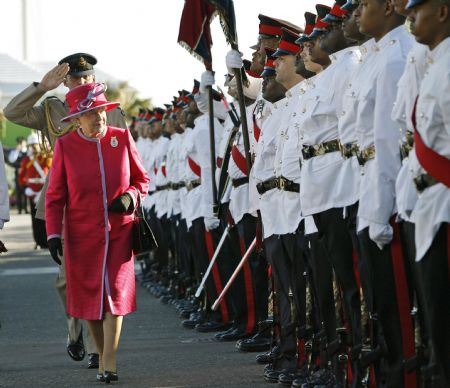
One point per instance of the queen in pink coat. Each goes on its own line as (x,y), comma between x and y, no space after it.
(95,183)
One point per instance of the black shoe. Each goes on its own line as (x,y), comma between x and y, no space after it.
(185,313)
(287,378)
(220,334)
(195,319)
(93,360)
(268,357)
(110,376)
(76,349)
(100,377)
(210,326)
(254,344)
(323,377)
(272,375)
(233,335)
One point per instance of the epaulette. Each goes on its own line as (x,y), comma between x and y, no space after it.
(49,98)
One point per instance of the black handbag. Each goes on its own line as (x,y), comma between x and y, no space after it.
(143,239)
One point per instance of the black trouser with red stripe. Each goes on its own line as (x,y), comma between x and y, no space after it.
(162,252)
(434,278)
(391,303)
(286,253)
(204,245)
(336,238)
(322,290)
(407,231)
(183,244)
(250,288)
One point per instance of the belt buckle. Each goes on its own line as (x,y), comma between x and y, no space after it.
(282,183)
(306,151)
(346,150)
(419,181)
(189,186)
(319,149)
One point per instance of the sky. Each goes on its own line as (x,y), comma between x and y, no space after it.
(133,40)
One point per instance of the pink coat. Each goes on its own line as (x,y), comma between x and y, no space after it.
(87,174)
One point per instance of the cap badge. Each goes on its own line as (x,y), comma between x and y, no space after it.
(114,142)
(82,62)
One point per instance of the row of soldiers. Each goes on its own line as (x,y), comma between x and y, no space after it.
(337,194)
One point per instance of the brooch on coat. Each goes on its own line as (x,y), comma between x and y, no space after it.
(114,142)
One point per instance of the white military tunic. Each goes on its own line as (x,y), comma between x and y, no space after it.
(408,89)
(327,180)
(375,128)
(433,123)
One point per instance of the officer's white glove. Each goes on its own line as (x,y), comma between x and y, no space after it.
(211,223)
(202,101)
(233,60)
(381,234)
(207,79)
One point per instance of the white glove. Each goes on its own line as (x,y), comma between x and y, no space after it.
(29,192)
(207,79)
(211,223)
(233,60)
(380,234)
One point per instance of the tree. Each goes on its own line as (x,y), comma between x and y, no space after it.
(128,98)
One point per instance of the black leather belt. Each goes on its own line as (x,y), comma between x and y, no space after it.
(193,184)
(424,181)
(280,183)
(310,151)
(366,154)
(239,182)
(349,150)
(407,146)
(178,185)
(163,187)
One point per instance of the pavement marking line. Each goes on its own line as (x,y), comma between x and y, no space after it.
(29,271)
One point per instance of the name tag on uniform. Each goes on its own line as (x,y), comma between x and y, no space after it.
(114,142)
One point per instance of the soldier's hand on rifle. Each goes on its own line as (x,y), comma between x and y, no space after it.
(121,204)
(234,60)
(211,223)
(54,77)
(206,80)
(55,248)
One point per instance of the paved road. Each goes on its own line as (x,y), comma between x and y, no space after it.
(155,350)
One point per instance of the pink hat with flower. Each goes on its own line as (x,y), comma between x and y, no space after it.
(87,97)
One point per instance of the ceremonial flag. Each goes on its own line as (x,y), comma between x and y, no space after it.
(195,32)
(225,9)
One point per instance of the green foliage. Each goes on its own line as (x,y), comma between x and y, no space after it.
(11,132)
(128,98)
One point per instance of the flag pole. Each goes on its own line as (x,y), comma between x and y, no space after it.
(212,146)
(243,112)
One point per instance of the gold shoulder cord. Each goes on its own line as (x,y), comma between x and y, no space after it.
(51,128)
